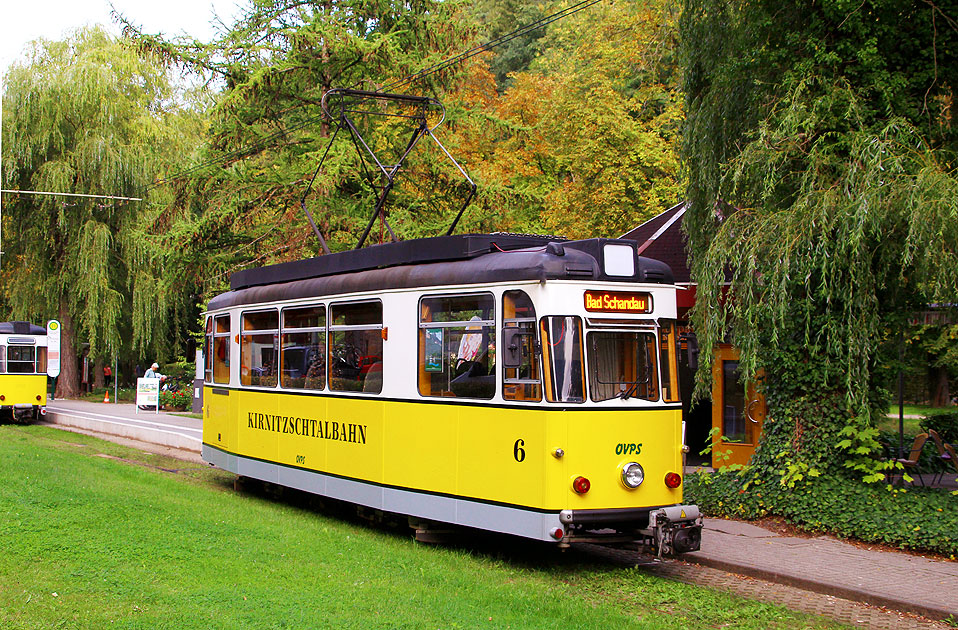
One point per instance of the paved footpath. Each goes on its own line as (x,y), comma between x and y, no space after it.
(818,574)
(822,564)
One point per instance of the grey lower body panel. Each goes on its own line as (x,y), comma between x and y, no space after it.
(444,509)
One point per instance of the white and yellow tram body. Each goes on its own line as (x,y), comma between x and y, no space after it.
(23,371)
(499,382)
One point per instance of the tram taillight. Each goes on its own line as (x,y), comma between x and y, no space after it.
(581,485)
(673,480)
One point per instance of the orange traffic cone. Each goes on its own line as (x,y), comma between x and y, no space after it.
(106,396)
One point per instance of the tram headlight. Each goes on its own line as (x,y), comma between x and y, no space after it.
(633,475)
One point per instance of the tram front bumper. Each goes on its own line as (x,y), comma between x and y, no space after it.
(675,529)
(663,530)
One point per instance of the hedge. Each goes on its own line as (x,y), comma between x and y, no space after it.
(915,518)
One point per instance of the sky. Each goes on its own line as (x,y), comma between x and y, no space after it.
(26,20)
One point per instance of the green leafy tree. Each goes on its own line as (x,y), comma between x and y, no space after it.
(820,151)
(84,115)
(240,202)
(585,143)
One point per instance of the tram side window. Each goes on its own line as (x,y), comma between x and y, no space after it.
(21,360)
(457,355)
(208,352)
(221,349)
(562,358)
(258,348)
(356,347)
(3,359)
(622,365)
(42,360)
(520,377)
(669,356)
(303,345)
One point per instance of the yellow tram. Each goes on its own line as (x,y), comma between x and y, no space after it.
(23,371)
(510,383)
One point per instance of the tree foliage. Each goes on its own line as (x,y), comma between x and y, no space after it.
(584,143)
(84,115)
(240,203)
(820,152)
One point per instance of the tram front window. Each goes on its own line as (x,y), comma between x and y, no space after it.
(21,360)
(456,346)
(622,365)
(221,349)
(562,357)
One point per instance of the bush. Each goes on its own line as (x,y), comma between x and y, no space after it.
(920,519)
(945,422)
(180,400)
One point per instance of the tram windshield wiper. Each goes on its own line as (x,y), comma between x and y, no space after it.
(633,387)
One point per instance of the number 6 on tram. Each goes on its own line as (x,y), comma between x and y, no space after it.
(510,383)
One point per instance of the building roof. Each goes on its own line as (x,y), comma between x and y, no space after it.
(662,238)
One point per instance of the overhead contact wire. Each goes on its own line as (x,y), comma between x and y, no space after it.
(265,141)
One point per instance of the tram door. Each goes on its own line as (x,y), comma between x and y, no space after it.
(737,412)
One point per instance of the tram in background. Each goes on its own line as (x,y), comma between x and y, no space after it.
(517,384)
(25,363)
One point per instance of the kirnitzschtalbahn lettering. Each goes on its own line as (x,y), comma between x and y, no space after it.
(309,427)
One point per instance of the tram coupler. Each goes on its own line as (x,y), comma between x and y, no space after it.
(675,529)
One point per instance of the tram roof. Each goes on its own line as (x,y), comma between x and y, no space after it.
(21,328)
(430,262)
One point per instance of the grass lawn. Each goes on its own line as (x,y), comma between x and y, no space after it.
(97,535)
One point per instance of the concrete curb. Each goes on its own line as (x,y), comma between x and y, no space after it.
(807,584)
(151,431)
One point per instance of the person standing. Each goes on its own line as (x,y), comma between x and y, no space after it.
(154,372)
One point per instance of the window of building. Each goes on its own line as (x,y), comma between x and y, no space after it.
(356,347)
(303,347)
(221,349)
(519,350)
(562,358)
(457,355)
(622,364)
(259,352)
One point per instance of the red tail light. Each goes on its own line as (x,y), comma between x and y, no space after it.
(581,485)
(673,480)
(38,397)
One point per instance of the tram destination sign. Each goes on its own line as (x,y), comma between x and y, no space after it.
(617,302)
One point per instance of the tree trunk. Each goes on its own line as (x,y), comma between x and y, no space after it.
(940,396)
(98,373)
(68,383)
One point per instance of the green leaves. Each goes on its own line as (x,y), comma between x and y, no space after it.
(85,115)
(824,197)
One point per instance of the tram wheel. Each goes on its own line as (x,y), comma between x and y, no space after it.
(432,533)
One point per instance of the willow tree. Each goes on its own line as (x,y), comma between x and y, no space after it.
(80,116)
(820,148)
